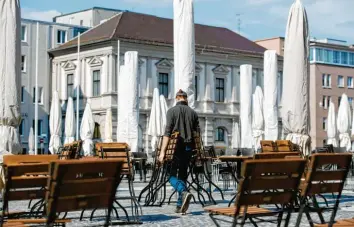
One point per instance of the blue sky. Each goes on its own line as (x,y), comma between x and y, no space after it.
(259,18)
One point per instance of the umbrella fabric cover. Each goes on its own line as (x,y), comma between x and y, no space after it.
(344,122)
(245,106)
(270,106)
(236,143)
(331,126)
(55,124)
(257,118)
(31,142)
(164,109)
(295,100)
(10,77)
(86,131)
(184,48)
(70,122)
(155,122)
(108,127)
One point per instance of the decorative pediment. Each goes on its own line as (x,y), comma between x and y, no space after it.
(164,64)
(221,69)
(198,68)
(69,65)
(95,61)
(141,62)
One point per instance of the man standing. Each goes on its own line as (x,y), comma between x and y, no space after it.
(183,119)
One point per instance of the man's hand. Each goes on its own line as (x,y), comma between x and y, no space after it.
(163,148)
(161,157)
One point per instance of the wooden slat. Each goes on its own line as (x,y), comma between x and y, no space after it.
(80,203)
(269,184)
(84,187)
(327,175)
(13,159)
(29,182)
(265,198)
(119,146)
(27,169)
(26,194)
(324,188)
(275,155)
(116,154)
(341,159)
(37,220)
(230,211)
(276,166)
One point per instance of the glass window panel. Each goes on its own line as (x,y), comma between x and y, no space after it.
(344,58)
(336,57)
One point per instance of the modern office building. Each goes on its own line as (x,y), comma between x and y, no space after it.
(331,75)
(50,35)
(219,54)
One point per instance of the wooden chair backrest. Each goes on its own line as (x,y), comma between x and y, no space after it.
(198,145)
(327,173)
(118,151)
(78,185)
(268,146)
(276,155)
(71,150)
(172,147)
(284,145)
(28,159)
(271,181)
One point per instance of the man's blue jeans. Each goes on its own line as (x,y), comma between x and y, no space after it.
(179,172)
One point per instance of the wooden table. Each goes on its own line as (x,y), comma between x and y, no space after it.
(234,171)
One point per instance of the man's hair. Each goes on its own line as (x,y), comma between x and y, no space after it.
(181,93)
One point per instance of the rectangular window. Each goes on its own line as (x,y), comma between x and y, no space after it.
(336,57)
(61,36)
(319,54)
(70,85)
(163,84)
(350,82)
(344,58)
(40,127)
(96,75)
(350,100)
(219,90)
(81,22)
(340,81)
(21,128)
(23,33)
(324,142)
(23,63)
(326,80)
(22,94)
(324,123)
(311,54)
(351,59)
(196,87)
(40,95)
(326,55)
(339,99)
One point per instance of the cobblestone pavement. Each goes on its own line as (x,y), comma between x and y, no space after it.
(165,216)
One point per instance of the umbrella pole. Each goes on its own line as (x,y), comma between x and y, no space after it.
(118,71)
(78,87)
(36,97)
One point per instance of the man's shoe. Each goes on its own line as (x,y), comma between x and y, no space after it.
(186,198)
(178,210)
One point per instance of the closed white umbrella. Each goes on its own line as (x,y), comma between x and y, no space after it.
(331,126)
(236,143)
(245,105)
(10,77)
(270,105)
(184,48)
(31,142)
(295,100)
(86,131)
(155,121)
(257,118)
(108,137)
(164,108)
(70,123)
(344,122)
(55,124)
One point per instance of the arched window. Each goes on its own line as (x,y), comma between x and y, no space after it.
(220,134)
(97,132)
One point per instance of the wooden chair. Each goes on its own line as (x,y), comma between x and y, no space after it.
(76,185)
(284,146)
(271,181)
(320,180)
(25,179)
(71,150)
(276,155)
(268,146)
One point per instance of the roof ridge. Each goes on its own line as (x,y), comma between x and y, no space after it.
(116,27)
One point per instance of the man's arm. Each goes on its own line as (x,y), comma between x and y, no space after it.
(168,132)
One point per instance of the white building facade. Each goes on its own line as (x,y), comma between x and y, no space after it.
(50,35)
(217,73)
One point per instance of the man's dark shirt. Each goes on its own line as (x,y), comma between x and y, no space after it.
(183,119)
